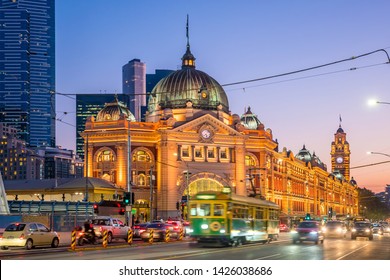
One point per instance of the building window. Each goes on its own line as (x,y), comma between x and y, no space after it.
(223,153)
(142,156)
(250,161)
(185,152)
(106,156)
(198,152)
(211,153)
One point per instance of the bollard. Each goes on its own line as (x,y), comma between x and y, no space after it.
(130,236)
(180,234)
(150,236)
(167,235)
(105,235)
(73,240)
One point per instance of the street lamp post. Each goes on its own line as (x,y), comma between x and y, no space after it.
(373,102)
(377,153)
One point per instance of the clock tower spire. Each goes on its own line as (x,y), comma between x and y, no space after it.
(340,153)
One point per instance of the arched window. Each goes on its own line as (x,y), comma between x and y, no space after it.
(142,165)
(106,156)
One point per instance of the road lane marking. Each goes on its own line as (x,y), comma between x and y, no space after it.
(266,257)
(353,252)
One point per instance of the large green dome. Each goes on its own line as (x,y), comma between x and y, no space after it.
(188,85)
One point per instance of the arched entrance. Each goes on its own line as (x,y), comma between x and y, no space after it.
(197,183)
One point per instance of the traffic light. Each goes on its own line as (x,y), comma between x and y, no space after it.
(330,213)
(307,217)
(96,209)
(177,205)
(121,211)
(127,198)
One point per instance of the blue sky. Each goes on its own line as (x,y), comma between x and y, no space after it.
(242,40)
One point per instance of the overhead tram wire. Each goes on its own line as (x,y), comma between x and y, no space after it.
(308,69)
(371,164)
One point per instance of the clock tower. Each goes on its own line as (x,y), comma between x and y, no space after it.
(340,154)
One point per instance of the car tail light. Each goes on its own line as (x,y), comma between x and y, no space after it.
(100,228)
(21,236)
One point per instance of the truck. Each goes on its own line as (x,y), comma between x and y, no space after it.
(115,228)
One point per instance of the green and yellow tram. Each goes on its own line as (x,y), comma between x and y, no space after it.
(228,219)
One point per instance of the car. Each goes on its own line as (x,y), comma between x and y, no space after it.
(377,229)
(335,229)
(138,229)
(385,226)
(362,229)
(284,228)
(159,232)
(177,226)
(115,228)
(28,235)
(308,231)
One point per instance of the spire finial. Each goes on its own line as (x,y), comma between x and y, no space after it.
(340,120)
(188,58)
(188,37)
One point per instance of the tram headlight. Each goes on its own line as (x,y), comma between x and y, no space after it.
(204,226)
(222,230)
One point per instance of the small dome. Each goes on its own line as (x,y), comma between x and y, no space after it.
(113,111)
(340,130)
(250,121)
(353,182)
(304,155)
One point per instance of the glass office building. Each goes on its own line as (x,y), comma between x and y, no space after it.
(27,69)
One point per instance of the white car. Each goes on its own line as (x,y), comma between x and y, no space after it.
(28,235)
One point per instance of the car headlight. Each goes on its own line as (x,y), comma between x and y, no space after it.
(354,230)
(324,229)
(367,230)
(338,229)
(293,231)
(313,232)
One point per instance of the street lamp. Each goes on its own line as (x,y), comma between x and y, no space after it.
(373,102)
(377,153)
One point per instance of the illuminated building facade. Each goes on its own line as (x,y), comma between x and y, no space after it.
(191,142)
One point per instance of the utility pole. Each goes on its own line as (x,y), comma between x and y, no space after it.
(128,207)
(151,216)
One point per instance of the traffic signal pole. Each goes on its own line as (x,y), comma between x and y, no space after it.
(129,216)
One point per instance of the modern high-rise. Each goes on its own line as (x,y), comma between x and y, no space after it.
(134,84)
(89,105)
(27,69)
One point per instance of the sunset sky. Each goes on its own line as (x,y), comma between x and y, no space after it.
(235,41)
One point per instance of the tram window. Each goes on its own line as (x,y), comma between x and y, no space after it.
(218,210)
(259,214)
(204,210)
(193,210)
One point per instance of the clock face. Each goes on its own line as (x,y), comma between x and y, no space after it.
(204,94)
(339,160)
(206,134)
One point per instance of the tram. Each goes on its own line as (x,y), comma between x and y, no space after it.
(230,220)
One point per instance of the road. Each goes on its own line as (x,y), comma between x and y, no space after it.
(282,249)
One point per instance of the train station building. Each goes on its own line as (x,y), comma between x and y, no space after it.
(191,142)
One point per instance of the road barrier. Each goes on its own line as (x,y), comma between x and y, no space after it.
(151,236)
(180,234)
(105,238)
(130,236)
(73,240)
(167,235)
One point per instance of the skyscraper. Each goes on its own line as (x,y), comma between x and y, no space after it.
(27,69)
(134,84)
